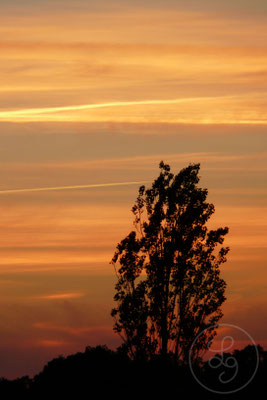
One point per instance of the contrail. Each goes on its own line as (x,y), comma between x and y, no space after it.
(43,189)
(35,114)
(37,111)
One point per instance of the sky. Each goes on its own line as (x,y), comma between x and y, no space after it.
(93,95)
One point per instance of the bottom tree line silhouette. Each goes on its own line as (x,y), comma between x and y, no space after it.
(99,371)
(168,291)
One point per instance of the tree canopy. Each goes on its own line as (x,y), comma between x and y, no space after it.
(168,286)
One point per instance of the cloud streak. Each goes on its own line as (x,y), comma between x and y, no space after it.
(59,296)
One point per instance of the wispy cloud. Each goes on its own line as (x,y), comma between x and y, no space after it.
(59,296)
(51,343)
(76,331)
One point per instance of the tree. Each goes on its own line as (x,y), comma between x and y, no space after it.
(168,286)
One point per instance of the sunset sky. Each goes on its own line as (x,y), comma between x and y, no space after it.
(93,95)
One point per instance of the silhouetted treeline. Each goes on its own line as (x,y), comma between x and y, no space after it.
(103,372)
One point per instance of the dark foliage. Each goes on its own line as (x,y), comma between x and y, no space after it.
(169,287)
(102,372)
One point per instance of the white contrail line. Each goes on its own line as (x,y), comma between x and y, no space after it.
(43,189)
(44,113)
(37,111)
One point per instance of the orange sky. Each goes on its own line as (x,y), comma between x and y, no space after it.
(95,95)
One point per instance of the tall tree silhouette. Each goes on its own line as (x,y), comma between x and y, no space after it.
(169,286)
